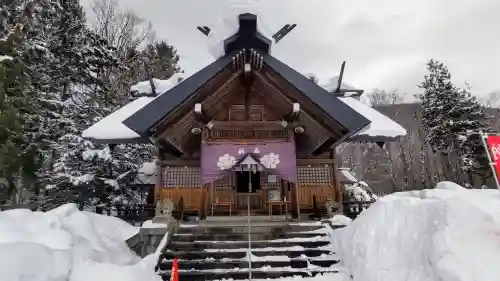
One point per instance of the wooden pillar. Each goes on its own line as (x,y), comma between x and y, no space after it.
(294,198)
(338,188)
(334,170)
(160,180)
(211,196)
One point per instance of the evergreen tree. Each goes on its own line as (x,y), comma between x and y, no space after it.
(12,102)
(452,119)
(474,157)
(57,78)
(21,155)
(162,60)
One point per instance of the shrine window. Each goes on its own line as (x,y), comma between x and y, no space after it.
(315,175)
(237,113)
(182,177)
(256,113)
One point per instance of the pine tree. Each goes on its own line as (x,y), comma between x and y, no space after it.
(21,156)
(452,119)
(474,158)
(12,103)
(162,60)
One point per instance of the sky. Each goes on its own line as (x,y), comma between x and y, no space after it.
(385,43)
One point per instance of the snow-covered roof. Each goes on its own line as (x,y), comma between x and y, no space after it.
(381,128)
(331,84)
(111,128)
(147,173)
(346,176)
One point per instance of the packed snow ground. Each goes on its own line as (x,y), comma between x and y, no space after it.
(446,234)
(66,244)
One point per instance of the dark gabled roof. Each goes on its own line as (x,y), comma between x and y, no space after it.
(339,111)
(148,116)
(247,37)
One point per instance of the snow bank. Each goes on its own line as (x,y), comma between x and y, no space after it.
(447,234)
(66,244)
(227,24)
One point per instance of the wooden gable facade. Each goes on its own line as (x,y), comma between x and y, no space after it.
(247,97)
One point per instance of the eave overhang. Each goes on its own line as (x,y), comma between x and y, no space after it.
(144,120)
(344,115)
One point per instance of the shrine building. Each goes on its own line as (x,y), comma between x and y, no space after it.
(247,126)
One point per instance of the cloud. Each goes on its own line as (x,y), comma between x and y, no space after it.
(385,43)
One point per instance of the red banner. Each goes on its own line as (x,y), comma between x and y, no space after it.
(494,149)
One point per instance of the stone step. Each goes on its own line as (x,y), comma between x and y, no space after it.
(244,229)
(243,236)
(200,246)
(232,264)
(201,255)
(243,275)
(244,219)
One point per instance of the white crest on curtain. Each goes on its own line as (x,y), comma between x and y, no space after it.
(226,162)
(270,160)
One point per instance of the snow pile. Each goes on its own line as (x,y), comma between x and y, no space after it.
(340,220)
(227,24)
(66,244)
(448,234)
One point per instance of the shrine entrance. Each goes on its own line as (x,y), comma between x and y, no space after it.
(248,192)
(242,181)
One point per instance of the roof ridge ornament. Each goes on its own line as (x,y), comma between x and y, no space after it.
(248,35)
(283,32)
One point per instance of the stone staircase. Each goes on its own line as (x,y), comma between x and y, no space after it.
(217,250)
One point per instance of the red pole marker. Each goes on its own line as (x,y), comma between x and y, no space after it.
(175,271)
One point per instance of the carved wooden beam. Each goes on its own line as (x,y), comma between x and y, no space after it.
(184,124)
(167,147)
(213,87)
(270,77)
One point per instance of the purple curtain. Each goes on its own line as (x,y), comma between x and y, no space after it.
(276,157)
